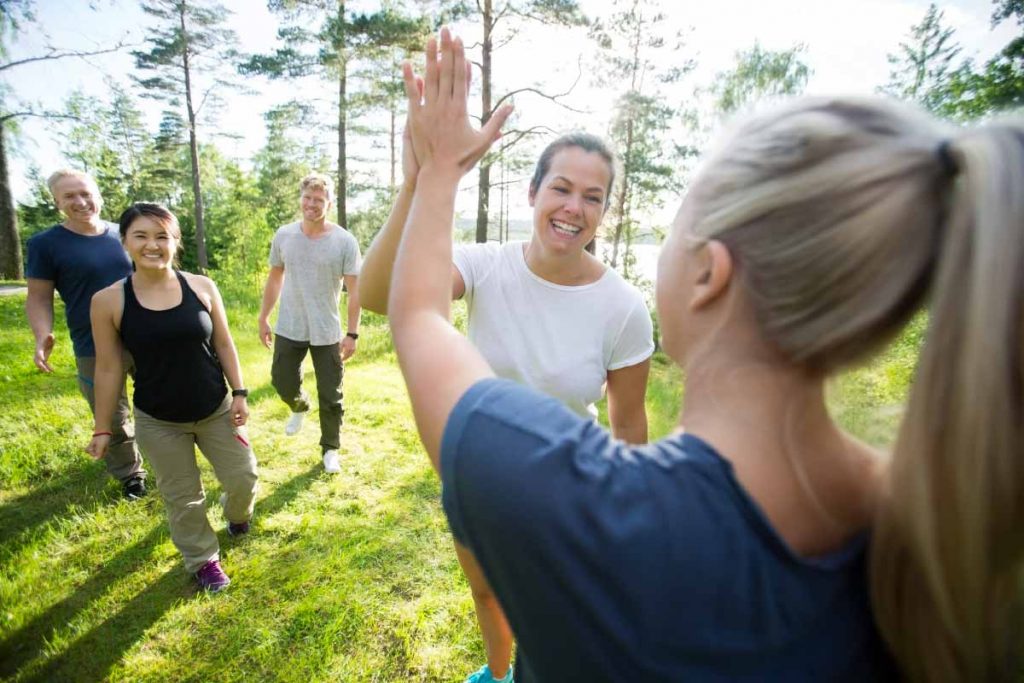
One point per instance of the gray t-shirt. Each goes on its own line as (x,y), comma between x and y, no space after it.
(313,269)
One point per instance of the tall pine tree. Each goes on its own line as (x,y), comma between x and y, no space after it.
(189,45)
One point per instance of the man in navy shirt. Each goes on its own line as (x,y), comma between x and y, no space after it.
(77,258)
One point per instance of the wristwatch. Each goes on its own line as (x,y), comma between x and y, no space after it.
(353,335)
(240,392)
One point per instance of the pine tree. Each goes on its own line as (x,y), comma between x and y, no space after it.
(639,61)
(924,67)
(188,42)
(331,52)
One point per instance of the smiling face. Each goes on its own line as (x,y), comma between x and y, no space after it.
(569,202)
(78,198)
(151,244)
(315,203)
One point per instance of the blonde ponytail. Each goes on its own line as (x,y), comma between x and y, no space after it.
(946,567)
(842,215)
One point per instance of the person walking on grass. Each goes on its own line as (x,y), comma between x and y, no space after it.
(175,327)
(752,544)
(545,313)
(77,258)
(309,261)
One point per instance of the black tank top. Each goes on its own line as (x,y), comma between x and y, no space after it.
(178,377)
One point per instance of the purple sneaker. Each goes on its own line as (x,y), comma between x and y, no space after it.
(212,578)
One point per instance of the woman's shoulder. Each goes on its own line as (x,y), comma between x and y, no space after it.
(112,293)
(199,283)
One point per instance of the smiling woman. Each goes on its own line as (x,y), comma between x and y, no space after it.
(545,313)
(175,328)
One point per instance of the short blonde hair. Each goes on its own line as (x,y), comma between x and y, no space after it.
(318,181)
(63,173)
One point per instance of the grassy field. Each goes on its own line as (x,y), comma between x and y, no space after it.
(344,578)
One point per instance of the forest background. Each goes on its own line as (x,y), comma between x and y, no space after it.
(352,577)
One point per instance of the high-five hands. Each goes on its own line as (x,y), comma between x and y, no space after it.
(443,139)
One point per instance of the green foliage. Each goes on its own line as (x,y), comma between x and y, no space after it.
(923,67)
(282,163)
(924,71)
(640,60)
(358,51)
(760,74)
(39,212)
(202,41)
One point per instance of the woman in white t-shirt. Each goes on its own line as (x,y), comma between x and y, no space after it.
(546,313)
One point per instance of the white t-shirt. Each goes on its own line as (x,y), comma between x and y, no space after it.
(561,340)
(313,269)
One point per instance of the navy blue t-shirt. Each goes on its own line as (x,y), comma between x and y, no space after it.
(623,563)
(79,266)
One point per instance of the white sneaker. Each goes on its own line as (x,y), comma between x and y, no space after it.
(294,424)
(331,461)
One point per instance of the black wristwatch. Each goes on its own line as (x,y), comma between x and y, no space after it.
(353,335)
(240,392)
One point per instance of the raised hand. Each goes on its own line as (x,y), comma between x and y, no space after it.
(443,138)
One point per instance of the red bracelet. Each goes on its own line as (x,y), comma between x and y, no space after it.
(103,433)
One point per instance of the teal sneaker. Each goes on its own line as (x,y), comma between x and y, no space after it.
(484,676)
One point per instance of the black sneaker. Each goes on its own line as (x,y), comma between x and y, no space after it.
(135,488)
(236,529)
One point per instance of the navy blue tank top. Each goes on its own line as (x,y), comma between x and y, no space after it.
(178,377)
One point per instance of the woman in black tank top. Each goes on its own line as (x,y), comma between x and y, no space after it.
(175,327)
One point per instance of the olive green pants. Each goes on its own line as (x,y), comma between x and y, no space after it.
(169,448)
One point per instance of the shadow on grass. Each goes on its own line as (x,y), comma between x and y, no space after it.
(26,643)
(261,393)
(92,655)
(286,492)
(81,486)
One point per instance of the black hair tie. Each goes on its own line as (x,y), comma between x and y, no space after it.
(949,165)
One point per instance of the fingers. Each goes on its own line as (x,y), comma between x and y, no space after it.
(460,88)
(42,364)
(446,70)
(413,86)
(431,73)
(492,129)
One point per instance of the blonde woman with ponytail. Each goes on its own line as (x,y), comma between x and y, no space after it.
(739,547)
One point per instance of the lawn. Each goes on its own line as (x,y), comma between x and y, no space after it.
(343,578)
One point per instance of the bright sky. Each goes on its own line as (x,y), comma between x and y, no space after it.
(847,42)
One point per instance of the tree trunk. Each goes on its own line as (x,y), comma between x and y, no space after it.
(342,116)
(483,198)
(193,144)
(622,208)
(10,245)
(391,140)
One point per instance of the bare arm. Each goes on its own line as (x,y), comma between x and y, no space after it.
(438,363)
(39,311)
(104,309)
(375,274)
(224,345)
(348,344)
(271,293)
(627,388)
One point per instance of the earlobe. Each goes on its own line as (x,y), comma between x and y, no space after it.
(714,276)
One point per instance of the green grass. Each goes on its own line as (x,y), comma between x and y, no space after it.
(344,578)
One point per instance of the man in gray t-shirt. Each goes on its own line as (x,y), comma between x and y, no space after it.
(317,256)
